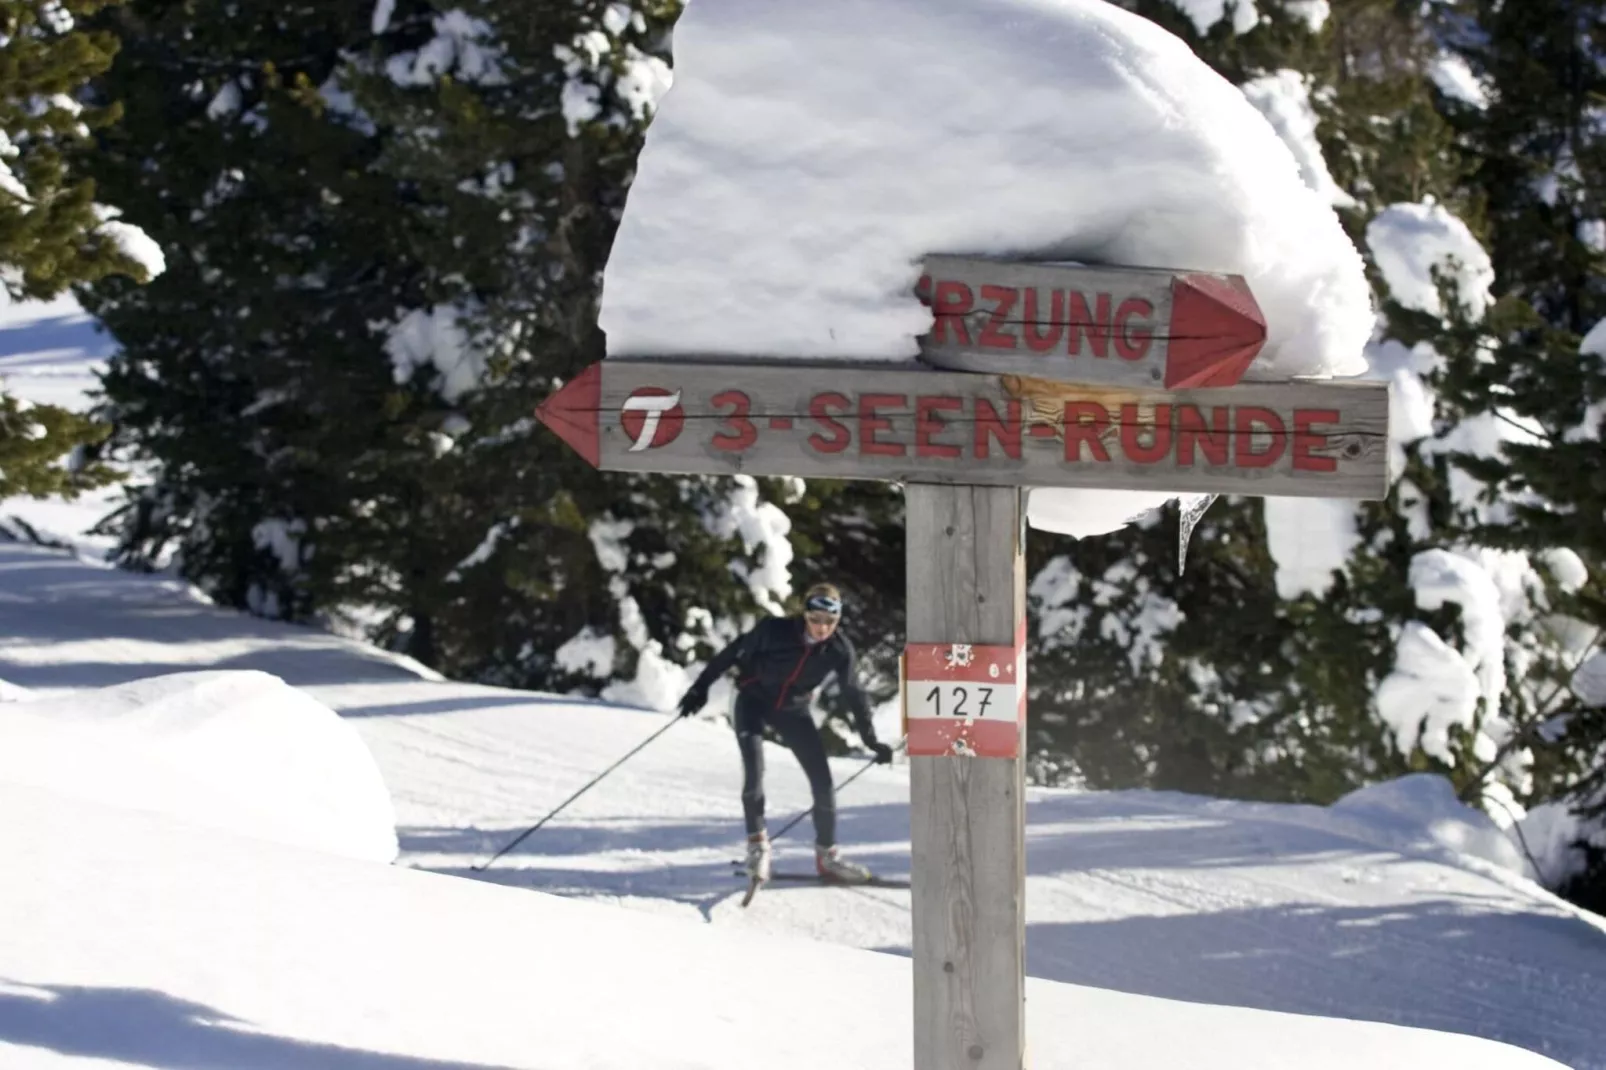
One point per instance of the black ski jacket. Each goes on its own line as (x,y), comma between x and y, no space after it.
(778,669)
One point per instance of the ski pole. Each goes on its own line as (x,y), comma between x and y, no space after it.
(523,835)
(836,790)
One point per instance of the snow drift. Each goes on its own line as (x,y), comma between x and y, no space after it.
(1420,811)
(241,751)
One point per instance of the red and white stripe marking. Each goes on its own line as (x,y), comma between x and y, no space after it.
(963,700)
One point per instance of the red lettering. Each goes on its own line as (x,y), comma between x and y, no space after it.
(1212,441)
(928,425)
(1006,431)
(1132,343)
(923,289)
(1249,421)
(1306,440)
(820,407)
(742,433)
(1160,448)
(1090,430)
(1036,341)
(950,303)
(1084,322)
(870,421)
(991,335)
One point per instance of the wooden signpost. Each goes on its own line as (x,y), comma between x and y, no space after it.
(1034,375)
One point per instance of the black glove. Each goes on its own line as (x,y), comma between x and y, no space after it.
(883,753)
(693,700)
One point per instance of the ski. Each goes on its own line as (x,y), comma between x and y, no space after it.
(753,885)
(815,878)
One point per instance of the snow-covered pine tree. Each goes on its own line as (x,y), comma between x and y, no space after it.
(570,577)
(1532,112)
(1144,677)
(1312,647)
(53,232)
(392,220)
(255,372)
(1200,681)
(558,575)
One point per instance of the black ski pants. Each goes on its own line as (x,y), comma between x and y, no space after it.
(797,732)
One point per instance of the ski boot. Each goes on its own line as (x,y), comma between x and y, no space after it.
(758,857)
(831,866)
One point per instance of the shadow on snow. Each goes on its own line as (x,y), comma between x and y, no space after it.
(144,1027)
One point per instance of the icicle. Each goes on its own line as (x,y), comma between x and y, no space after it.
(1190,508)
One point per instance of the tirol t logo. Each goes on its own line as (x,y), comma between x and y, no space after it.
(652,417)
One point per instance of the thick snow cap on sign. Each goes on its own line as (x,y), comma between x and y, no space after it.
(809,155)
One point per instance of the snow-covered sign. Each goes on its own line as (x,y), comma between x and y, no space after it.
(809,165)
(912,423)
(1128,326)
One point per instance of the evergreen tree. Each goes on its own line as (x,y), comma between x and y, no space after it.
(33,439)
(253,371)
(558,575)
(605,581)
(53,233)
(393,222)
(1485,559)
(1537,136)
(1231,677)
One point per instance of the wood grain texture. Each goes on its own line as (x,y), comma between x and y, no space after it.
(966,583)
(907,422)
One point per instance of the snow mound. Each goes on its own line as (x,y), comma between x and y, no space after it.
(810,155)
(1422,809)
(238,750)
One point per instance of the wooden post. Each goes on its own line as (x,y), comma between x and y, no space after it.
(966,584)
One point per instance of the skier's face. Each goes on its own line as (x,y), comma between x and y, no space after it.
(820,625)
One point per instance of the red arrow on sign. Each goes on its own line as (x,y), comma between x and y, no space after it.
(1138,327)
(1216,331)
(572,413)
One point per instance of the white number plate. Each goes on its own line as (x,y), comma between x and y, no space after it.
(957,700)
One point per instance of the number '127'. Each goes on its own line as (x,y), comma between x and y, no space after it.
(961,696)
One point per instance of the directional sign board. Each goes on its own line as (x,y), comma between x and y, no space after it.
(1127,326)
(911,423)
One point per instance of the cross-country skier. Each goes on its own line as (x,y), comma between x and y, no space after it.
(780,662)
